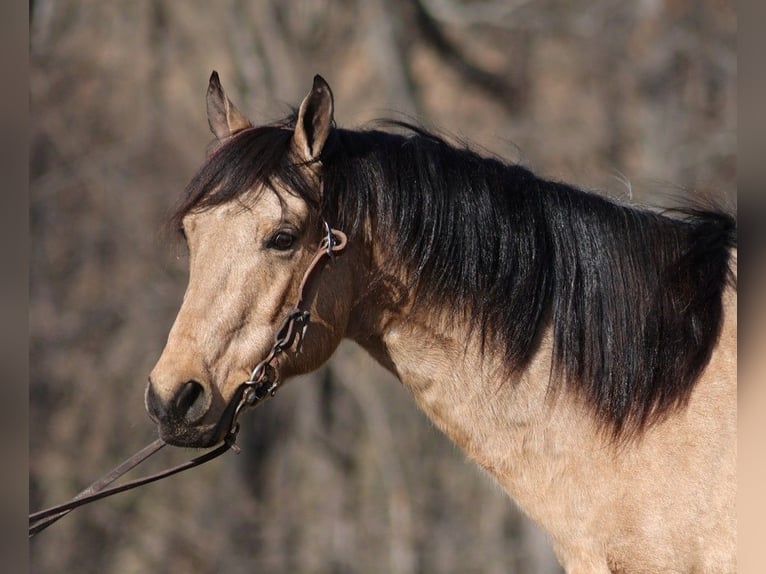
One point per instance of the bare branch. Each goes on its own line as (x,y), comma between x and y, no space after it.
(402,554)
(387,52)
(458,14)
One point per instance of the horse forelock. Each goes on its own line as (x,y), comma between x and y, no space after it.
(632,297)
(254,158)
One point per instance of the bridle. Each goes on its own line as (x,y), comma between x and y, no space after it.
(264,379)
(263,383)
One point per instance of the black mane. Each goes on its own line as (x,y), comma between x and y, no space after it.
(633,297)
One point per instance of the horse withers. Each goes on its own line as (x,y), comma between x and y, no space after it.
(582,351)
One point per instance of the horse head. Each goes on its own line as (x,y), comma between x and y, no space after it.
(252,228)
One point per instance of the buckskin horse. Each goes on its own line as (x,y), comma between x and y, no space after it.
(581,351)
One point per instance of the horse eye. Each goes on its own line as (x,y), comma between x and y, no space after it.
(281,241)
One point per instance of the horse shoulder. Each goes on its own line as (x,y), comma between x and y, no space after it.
(662,502)
(667,501)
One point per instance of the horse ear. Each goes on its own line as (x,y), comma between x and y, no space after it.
(315,120)
(224,118)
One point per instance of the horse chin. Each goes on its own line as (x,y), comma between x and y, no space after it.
(202,436)
(198,436)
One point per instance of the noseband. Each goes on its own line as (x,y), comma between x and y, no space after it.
(262,384)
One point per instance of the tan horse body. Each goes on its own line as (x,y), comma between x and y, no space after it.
(661,501)
(664,503)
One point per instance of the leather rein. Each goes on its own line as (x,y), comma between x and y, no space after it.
(263,384)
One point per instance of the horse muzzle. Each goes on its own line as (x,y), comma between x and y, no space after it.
(191,416)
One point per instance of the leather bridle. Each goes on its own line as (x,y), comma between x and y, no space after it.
(264,380)
(263,384)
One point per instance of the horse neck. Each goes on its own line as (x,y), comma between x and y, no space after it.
(464,386)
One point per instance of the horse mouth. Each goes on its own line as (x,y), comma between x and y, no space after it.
(205,435)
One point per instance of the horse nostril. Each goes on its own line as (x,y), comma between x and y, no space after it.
(154,403)
(190,401)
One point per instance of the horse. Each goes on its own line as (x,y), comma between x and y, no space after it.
(582,351)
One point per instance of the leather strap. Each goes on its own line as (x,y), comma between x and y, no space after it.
(39,521)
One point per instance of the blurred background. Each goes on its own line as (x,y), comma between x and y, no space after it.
(340,473)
